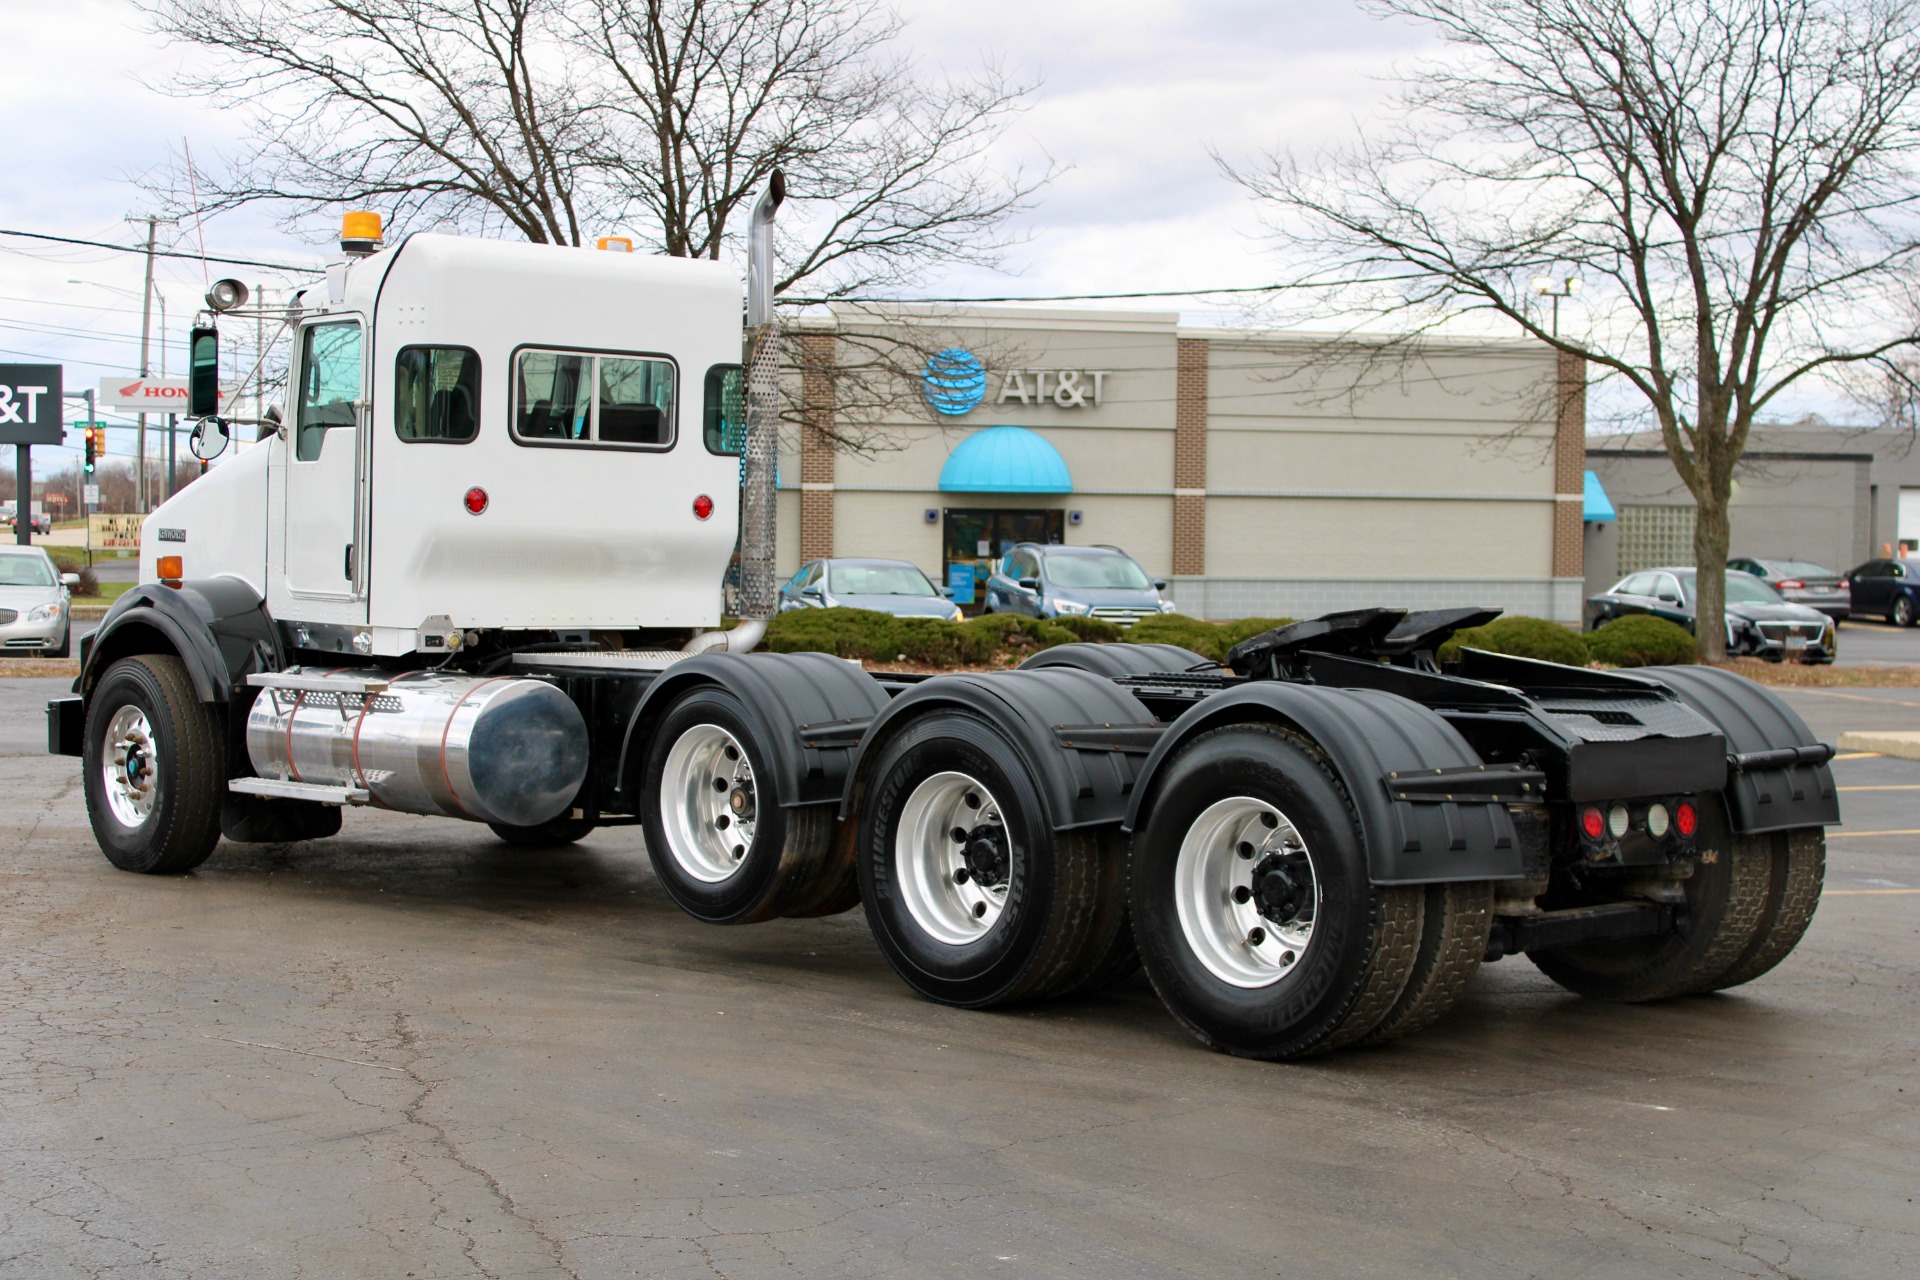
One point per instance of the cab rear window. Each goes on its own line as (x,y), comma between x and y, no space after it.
(436,394)
(585,399)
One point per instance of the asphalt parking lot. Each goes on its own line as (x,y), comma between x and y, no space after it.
(413,1051)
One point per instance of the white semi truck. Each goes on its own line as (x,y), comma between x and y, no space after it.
(477,570)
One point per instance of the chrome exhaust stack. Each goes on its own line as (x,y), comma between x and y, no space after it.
(757,581)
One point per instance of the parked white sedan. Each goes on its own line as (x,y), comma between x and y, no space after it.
(35,605)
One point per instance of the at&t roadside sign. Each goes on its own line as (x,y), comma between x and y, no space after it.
(30,404)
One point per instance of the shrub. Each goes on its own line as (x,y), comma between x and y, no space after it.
(88,584)
(1520,637)
(845,633)
(1092,630)
(1640,641)
(1248,628)
(935,642)
(1208,639)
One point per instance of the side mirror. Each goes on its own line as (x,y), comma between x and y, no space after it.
(1664,598)
(69,579)
(1029,584)
(947,592)
(203,373)
(209,439)
(1159,584)
(811,593)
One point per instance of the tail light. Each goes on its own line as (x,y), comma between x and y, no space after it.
(1686,818)
(1846,584)
(1792,584)
(702,507)
(1593,822)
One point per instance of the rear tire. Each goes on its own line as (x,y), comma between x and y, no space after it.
(1793,894)
(153,767)
(1726,897)
(1012,910)
(549,834)
(1320,956)
(1456,921)
(730,854)
(1902,613)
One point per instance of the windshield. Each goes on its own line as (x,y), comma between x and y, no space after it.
(1742,588)
(1096,571)
(24,571)
(878,580)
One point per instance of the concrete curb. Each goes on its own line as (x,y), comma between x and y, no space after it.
(1884,742)
(89,612)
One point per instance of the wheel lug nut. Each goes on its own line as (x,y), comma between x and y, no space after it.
(1256,936)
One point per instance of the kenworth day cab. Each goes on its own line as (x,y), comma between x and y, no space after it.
(477,572)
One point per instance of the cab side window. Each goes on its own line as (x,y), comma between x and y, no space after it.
(330,382)
(436,394)
(584,398)
(725,425)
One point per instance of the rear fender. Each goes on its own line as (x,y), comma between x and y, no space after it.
(1779,778)
(810,710)
(1081,736)
(1385,748)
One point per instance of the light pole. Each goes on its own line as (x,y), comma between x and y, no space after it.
(1556,288)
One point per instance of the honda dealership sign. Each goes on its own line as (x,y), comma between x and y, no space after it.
(149,395)
(30,404)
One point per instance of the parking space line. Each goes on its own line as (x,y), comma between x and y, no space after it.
(1858,835)
(1858,697)
(1891,786)
(1855,893)
(1859,755)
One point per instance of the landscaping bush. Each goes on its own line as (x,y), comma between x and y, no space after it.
(993,639)
(845,633)
(1092,630)
(88,584)
(1520,637)
(1248,628)
(1640,641)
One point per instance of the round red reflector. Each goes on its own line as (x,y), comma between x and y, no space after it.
(1593,822)
(476,500)
(1686,818)
(702,507)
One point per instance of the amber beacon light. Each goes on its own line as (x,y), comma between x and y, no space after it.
(360,232)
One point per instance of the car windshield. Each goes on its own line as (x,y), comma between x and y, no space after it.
(1115,571)
(25,571)
(878,580)
(1742,588)
(1797,569)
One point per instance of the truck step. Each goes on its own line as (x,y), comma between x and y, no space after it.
(281,789)
(316,684)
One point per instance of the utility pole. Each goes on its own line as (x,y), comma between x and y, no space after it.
(141,503)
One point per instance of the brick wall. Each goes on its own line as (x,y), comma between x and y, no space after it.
(1569,467)
(816,446)
(1190,458)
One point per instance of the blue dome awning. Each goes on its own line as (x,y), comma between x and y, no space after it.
(1597,506)
(1005,460)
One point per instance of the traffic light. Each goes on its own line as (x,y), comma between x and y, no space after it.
(94,446)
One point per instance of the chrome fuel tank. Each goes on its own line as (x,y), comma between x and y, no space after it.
(494,749)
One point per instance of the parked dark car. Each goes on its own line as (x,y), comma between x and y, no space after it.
(1801,582)
(1759,623)
(1101,582)
(885,586)
(1889,589)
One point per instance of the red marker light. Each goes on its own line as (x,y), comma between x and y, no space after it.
(1686,818)
(1792,584)
(476,500)
(702,507)
(1593,822)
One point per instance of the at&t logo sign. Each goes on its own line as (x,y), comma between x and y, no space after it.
(955,382)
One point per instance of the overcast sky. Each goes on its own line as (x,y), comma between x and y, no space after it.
(1132,95)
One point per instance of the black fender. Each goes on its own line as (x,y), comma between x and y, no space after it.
(810,708)
(1113,660)
(1430,811)
(1080,735)
(1778,777)
(219,627)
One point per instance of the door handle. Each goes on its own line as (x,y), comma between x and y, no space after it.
(346,570)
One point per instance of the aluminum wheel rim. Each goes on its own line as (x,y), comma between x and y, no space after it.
(937,872)
(130,766)
(1228,849)
(708,804)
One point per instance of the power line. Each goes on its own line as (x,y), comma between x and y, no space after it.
(1278,287)
(163,253)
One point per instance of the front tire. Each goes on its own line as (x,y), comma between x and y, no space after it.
(1257,921)
(972,895)
(722,845)
(153,767)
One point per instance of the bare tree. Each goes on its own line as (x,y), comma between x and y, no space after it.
(1737,177)
(432,110)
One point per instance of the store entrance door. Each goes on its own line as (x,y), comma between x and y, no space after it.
(980,538)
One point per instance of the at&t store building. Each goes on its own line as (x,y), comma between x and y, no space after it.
(1260,472)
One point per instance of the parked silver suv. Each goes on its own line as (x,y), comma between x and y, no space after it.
(1102,582)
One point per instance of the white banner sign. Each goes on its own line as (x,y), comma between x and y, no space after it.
(151,395)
